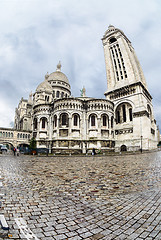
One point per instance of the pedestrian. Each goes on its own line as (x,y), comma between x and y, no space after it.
(93,151)
(18,152)
(14,151)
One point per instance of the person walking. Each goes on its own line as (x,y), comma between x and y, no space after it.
(93,151)
(18,152)
(14,151)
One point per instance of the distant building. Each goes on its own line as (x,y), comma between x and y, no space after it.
(123,121)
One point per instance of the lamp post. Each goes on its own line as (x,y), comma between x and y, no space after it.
(141,149)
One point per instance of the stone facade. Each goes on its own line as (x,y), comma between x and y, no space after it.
(13,137)
(127,89)
(122,121)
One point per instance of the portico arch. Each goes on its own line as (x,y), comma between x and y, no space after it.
(123,148)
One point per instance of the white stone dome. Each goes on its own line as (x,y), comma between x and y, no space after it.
(44,86)
(58,75)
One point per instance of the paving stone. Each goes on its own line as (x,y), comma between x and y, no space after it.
(74,198)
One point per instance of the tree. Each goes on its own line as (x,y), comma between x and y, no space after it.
(32,143)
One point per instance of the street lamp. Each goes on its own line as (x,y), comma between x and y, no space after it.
(141,149)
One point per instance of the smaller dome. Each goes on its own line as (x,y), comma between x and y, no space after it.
(44,86)
(111,27)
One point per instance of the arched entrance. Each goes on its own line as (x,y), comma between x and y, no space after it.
(123,148)
(7,144)
(23,147)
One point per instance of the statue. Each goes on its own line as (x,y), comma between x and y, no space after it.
(83,92)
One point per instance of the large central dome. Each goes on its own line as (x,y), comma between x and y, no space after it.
(58,75)
(59,83)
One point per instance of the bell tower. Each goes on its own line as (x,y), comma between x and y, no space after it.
(122,65)
(135,125)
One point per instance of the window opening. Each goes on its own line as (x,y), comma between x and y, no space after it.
(104,121)
(55,121)
(130,114)
(93,121)
(118,117)
(43,122)
(124,113)
(111,122)
(57,94)
(75,120)
(64,119)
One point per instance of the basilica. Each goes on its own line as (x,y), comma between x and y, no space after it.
(122,121)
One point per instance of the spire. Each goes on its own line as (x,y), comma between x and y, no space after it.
(58,67)
(30,98)
(46,76)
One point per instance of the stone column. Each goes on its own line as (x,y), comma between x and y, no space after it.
(38,129)
(70,126)
(50,128)
(99,126)
(57,127)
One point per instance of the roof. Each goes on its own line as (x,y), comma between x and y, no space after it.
(44,86)
(58,75)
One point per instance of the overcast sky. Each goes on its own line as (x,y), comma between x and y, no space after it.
(36,34)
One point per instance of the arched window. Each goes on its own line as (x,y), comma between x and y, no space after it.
(35,123)
(130,114)
(18,135)
(118,116)
(47,98)
(112,40)
(111,122)
(104,119)
(149,111)
(43,123)
(75,120)
(62,94)
(57,94)
(123,113)
(55,121)
(11,135)
(123,148)
(93,120)
(53,94)
(64,119)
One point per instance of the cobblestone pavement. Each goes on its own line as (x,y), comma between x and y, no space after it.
(100,197)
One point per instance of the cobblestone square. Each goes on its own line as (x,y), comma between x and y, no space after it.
(81,197)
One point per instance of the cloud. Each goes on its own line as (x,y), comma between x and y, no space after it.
(7,112)
(36,34)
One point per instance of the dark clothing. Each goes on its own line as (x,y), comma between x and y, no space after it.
(14,151)
(93,151)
